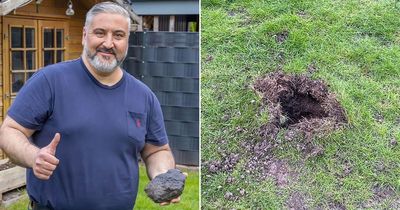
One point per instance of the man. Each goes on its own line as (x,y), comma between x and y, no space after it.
(78,126)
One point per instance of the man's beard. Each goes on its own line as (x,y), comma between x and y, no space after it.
(106,66)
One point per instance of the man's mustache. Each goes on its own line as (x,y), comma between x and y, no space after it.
(105,50)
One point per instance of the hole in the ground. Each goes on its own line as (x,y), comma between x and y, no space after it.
(298,103)
(300,106)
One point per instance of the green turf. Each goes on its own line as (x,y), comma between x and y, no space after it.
(189,198)
(355,47)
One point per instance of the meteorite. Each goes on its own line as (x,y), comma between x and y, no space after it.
(166,186)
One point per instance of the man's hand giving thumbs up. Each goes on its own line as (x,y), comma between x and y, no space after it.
(45,160)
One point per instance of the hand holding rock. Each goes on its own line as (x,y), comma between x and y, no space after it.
(46,162)
(166,187)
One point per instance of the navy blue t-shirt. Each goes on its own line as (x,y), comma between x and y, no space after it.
(103,128)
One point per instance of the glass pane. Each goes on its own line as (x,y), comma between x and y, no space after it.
(17,60)
(17,81)
(60,55)
(30,37)
(30,59)
(16,37)
(60,38)
(48,36)
(48,57)
(29,74)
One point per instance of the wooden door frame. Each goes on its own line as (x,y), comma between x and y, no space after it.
(38,24)
(7,24)
(42,24)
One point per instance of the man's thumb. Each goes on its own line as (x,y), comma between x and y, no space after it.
(53,144)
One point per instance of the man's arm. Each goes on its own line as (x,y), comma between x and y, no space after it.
(158,159)
(14,142)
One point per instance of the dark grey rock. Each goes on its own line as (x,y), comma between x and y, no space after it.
(166,186)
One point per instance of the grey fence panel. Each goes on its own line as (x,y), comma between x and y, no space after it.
(165,39)
(185,143)
(186,70)
(185,114)
(178,99)
(168,62)
(182,128)
(186,85)
(186,157)
(166,54)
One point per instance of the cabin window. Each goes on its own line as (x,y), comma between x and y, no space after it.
(23,55)
(53,41)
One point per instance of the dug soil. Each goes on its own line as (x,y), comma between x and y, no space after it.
(299,108)
(299,104)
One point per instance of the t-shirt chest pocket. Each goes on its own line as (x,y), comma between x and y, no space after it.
(137,125)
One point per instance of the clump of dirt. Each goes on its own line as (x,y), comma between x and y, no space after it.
(225,165)
(243,15)
(311,68)
(262,164)
(383,195)
(383,192)
(301,105)
(302,14)
(239,11)
(296,202)
(393,142)
(209,58)
(379,117)
(281,37)
(336,205)
(230,196)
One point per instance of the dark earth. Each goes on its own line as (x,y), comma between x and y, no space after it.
(296,202)
(300,109)
(166,186)
(281,37)
(302,105)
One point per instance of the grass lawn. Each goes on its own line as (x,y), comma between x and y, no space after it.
(354,46)
(189,198)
